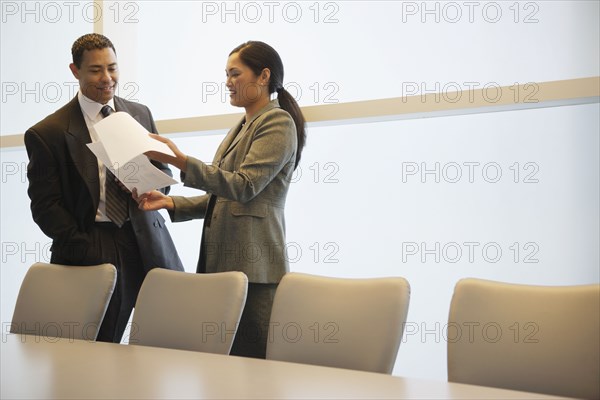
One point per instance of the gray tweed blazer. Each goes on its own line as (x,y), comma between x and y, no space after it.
(249,177)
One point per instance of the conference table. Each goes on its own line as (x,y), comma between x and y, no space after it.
(35,367)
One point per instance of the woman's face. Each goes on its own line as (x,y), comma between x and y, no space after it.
(245,88)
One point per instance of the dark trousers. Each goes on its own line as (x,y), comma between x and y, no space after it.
(253,331)
(117,246)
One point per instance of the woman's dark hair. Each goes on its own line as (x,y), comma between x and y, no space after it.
(258,56)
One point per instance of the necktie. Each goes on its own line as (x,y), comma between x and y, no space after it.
(117,208)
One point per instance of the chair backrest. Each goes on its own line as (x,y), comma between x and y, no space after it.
(189,311)
(338,322)
(540,339)
(63,301)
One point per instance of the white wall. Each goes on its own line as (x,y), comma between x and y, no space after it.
(361,204)
(34,58)
(360,50)
(172,54)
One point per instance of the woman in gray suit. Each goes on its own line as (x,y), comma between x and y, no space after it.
(246,187)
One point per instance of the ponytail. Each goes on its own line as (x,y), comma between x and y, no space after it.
(289,104)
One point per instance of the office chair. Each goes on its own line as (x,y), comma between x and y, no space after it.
(533,338)
(338,322)
(189,311)
(63,301)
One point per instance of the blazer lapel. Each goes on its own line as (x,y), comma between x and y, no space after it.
(85,161)
(121,106)
(227,143)
(236,139)
(241,128)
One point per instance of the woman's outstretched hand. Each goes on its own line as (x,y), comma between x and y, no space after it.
(180,159)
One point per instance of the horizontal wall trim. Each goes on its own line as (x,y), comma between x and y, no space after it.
(429,105)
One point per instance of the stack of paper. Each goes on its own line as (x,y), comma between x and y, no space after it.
(123,142)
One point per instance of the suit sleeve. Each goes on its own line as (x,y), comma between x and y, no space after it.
(47,202)
(187,208)
(272,148)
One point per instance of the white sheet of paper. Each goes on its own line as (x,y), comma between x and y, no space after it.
(98,149)
(140,174)
(124,138)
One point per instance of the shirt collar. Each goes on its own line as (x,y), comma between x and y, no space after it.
(92,108)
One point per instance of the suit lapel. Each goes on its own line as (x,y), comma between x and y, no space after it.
(121,106)
(85,161)
(232,138)
(231,142)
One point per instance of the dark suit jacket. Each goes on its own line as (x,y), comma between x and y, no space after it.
(64,188)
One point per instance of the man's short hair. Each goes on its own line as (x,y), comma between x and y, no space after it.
(90,41)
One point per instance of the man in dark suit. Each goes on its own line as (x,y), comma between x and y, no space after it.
(71,193)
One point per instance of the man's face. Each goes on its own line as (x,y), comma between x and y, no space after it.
(98,75)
